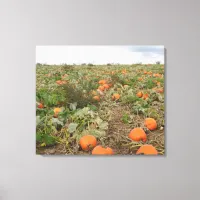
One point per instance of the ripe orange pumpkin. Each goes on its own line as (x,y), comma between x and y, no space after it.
(147,150)
(88,142)
(101,88)
(139,94)
(102,82)
(158,83)
(150,123)
(160,90)
(57,110)
(96,98)
(106,86)
(99,150)
(138,134)
(140,79)
(59,82)
(124,71)
(115,96)
(65,75)
(40,105)
(145,96)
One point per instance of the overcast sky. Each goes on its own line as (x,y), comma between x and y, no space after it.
(99,54)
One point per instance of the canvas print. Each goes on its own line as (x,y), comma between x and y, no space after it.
(100,100)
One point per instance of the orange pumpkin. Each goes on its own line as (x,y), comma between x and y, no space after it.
(138,134)
(97,98)
(140,79)
(88,142)
(115,96)
(106,86)
(99,150)
(139,94)
(158,83)
(40,105)
(57,110)
(59,82)
(150,123)
(160,90)
(124,71)
(145,96)
(101,88)
(102,82)
(65,75)
(147,150)
(109,151)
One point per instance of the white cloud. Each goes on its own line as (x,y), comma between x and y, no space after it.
(93,54)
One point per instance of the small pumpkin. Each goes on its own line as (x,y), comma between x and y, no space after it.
(106,86)
(138,134)
(102,82)
(88,142)
(99,150)
(140,79)
(101,88)
(158,83)
(40,105)
(139,94)
(150,123)
(124,71)
(59,82)
(145,96)
(57,110)
(97,98)
(160,90)
(65,75)
(147,150)
(115,96)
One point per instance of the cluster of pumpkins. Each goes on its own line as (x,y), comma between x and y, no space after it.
(104,86)
(89,142)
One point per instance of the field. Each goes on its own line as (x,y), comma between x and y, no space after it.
(104,101)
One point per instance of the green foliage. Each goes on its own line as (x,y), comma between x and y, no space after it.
(49,98)
(48,140)
(75,94)
(150,84)
(125,118)
(140,107)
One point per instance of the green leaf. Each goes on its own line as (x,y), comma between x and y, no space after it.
(98,133)
(73,106)
(72,127)
(56,121)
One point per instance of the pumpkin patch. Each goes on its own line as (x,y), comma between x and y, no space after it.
(110,109)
